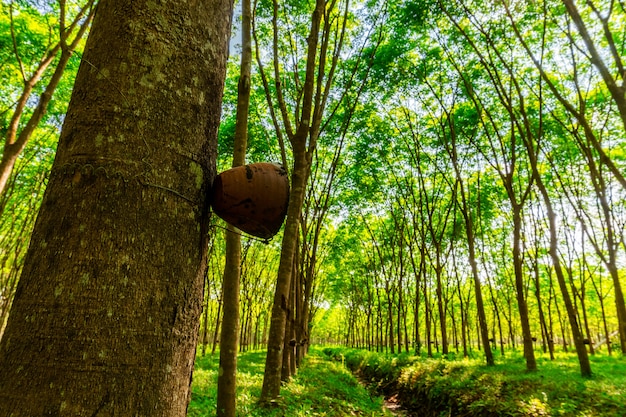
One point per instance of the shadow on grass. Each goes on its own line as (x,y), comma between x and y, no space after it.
(467,387)
(321,388)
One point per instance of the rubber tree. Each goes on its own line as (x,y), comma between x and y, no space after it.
(468,217)
(601,52)
(503,143)
(227,375)
(106,314)
(302,129)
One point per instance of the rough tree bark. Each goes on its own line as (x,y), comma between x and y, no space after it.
(106,314)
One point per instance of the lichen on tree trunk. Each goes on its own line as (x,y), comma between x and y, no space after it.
(106,314)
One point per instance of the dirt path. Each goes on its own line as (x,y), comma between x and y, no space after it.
(393,404)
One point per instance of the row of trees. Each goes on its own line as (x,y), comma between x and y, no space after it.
(506,179)
(456,175)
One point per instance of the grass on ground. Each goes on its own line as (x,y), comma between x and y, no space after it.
(467,387)
(321,388)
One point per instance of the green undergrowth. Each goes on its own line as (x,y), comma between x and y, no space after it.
(467,387)
(320,388)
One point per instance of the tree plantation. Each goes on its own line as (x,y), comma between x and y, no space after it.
(454,204)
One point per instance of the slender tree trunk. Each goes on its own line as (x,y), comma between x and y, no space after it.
(291,336)
(455,330)
(427,320)
(598,290)
(304,320)
(542,318)
(106,314)
(435,341)
(303,142)
(509,321)
(589,339)
(471,245)
(463,318)
(257,323)
(379,317)
(460,189)
(529,353)
(218,324)
(273,363)
(289,340)
(416,316)
(405,326)
(441,305)
(389,326)
(205,323)
(285,373)
(303,301)
(243,328)
(583,357)
(550,317)
(497,317)
(227,375)
(399,312)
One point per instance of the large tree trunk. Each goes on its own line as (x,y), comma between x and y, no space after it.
(106,315)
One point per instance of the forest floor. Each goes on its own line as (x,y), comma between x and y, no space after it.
(322,387)
(348,382)
(467,387)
